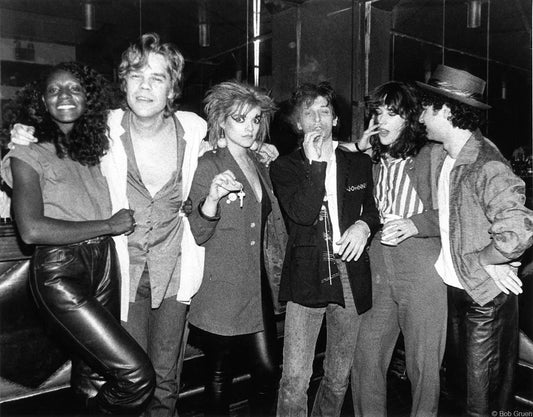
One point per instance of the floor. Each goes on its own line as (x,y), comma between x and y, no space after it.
(60,403)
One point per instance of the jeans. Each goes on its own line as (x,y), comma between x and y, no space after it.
(76,288)
(408,296)
(482,350)
(302,326)
(162,334)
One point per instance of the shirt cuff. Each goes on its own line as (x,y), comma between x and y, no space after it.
(215,218)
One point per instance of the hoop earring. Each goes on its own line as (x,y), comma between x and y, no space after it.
(222,141)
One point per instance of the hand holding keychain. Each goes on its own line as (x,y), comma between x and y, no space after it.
(222,185)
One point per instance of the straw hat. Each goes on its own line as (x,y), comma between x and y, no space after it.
(458,85)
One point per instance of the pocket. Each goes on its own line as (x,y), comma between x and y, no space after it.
(51,258)
(303,252)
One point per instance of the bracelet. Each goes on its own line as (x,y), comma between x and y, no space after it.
(359,149)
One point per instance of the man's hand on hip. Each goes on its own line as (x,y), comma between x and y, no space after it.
(505,278)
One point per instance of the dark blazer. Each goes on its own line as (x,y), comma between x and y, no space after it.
(229,299)
(300,188)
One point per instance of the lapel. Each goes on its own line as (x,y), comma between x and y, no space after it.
(229,162)
(470,150)
(375,172)
(411,172)
(190,156)
(125,137)
(264,177)
(344,165)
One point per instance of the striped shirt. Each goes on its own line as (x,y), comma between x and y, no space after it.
(393,191)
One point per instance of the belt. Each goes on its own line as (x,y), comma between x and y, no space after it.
(90,241)
(96,239)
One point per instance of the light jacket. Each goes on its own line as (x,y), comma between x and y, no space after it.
(486,208)
(114,167)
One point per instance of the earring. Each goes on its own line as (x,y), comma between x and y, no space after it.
(170,101)
(222,142)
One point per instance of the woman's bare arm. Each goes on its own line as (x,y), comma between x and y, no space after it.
(35,228)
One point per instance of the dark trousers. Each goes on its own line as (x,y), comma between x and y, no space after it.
(482,351)
(76,288)
(259,351)
(161,333)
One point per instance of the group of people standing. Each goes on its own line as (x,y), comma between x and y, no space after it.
(416,236)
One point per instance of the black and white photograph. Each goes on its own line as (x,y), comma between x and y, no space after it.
(266,208)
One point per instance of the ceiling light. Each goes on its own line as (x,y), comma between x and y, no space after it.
(204,35)
(88,15)
(473,14)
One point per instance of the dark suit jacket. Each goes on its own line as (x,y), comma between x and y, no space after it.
(300,188)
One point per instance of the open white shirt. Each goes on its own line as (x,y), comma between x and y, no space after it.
(331,195)
(444,264)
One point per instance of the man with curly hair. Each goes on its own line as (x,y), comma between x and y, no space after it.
(149,167)
(484,228)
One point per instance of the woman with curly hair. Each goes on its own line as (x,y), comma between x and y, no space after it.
(62,205)
(237,219)
(408,294)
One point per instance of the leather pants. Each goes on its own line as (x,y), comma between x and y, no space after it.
(260,351)
(482,351)
(76,288)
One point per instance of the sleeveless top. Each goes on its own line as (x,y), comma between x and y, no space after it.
(71,191)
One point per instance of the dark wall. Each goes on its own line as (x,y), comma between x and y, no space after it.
(325,51)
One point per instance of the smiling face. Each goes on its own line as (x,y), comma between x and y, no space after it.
(148,88)
(318,116)
(241,126)
(391,125)
(65,99)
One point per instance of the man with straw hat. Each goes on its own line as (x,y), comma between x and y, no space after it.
(485,228)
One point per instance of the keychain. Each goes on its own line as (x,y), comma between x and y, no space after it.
(240,195)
